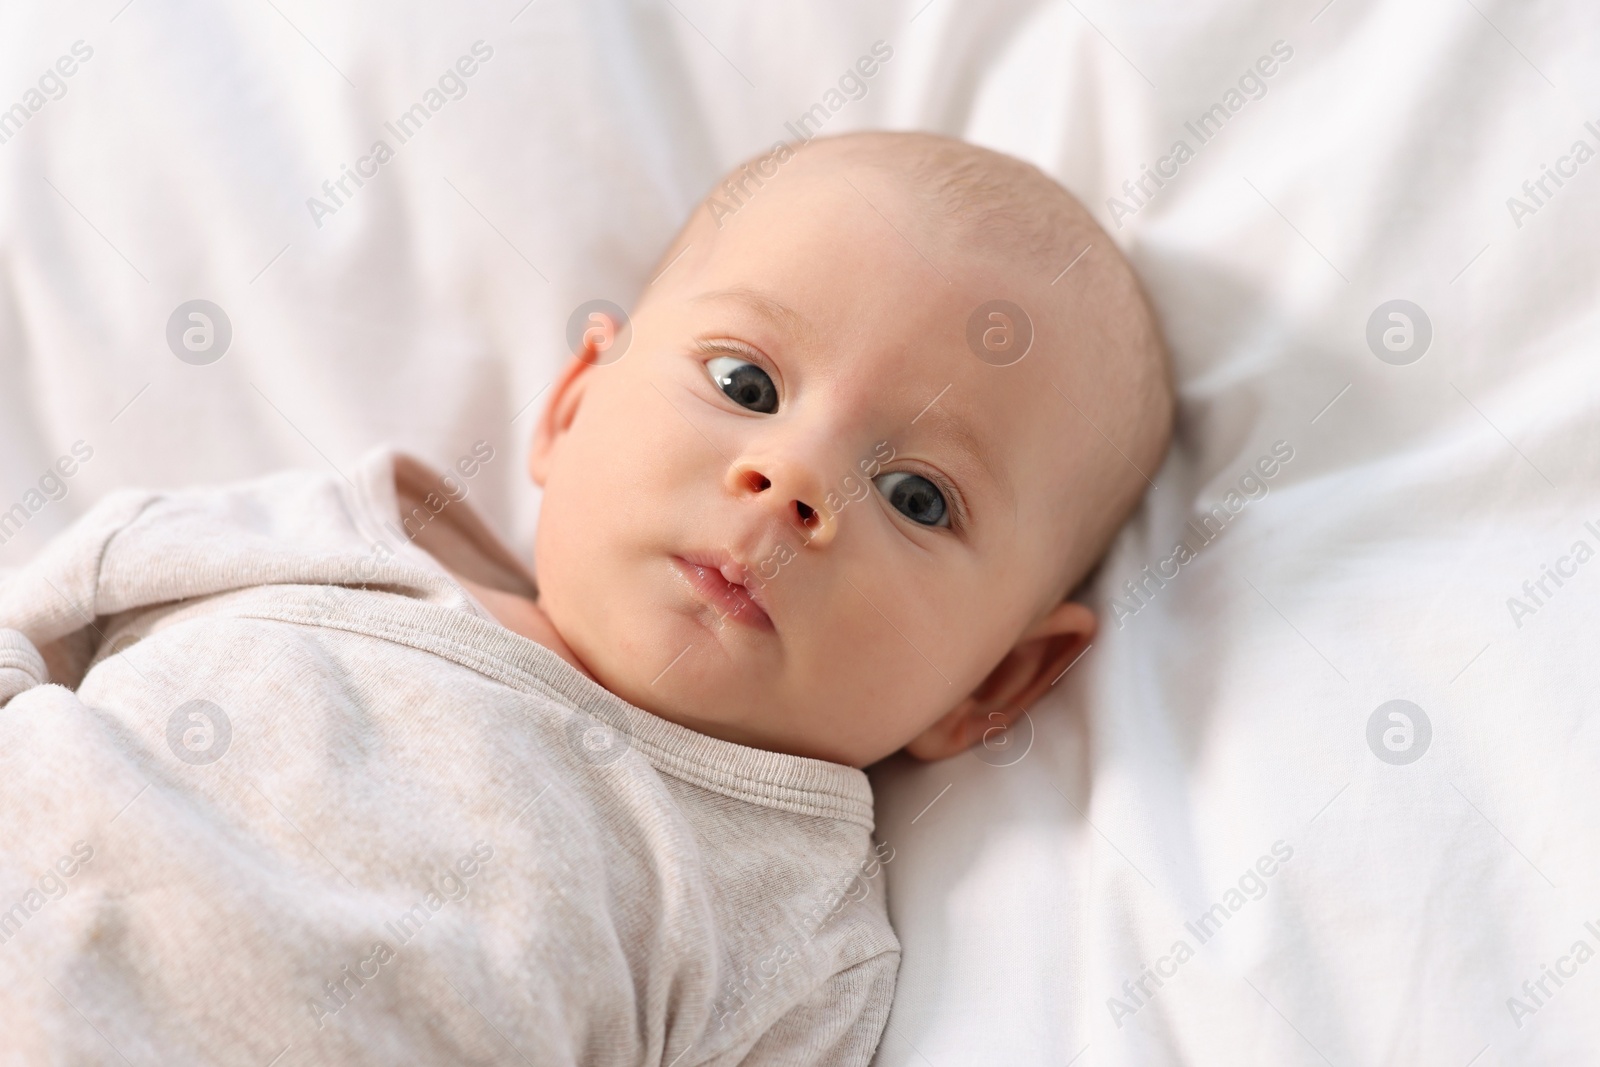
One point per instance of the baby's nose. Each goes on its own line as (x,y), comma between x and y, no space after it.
(790,491)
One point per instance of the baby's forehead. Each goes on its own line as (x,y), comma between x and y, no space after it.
(850,255)
(850,248)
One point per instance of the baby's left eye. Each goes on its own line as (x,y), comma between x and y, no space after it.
(745,383)
(915,497)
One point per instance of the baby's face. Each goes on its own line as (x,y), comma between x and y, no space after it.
(799,512)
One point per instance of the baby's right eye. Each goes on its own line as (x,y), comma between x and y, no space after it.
(915,497)
(745,383)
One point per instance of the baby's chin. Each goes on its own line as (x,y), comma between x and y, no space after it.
(668,624)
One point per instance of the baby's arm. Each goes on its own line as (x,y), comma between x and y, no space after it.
(50,608)
(840,1025)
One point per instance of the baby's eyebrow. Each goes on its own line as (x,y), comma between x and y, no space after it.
(762,304)
(956,434)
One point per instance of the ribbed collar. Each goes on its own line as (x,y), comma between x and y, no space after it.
(770,779)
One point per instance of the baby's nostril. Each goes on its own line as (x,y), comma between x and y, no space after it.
(757,481)
(808,515)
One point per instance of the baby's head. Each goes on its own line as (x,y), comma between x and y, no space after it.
(820,505)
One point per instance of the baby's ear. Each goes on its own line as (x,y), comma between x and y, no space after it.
(1040,657)
(559,411)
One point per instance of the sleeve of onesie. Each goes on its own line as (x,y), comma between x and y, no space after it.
(840,1025)
(49,608)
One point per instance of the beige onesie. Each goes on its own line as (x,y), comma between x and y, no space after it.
(276,790)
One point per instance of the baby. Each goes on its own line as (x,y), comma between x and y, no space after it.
(327,778)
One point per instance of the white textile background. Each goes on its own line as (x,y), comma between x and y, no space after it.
(1224,711)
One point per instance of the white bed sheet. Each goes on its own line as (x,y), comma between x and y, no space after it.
(1227,715)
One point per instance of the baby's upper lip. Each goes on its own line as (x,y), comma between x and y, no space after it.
(732,569)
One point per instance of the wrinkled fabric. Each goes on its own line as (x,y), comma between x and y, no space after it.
(284,789)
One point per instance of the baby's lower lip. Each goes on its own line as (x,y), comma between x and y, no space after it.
(731,601)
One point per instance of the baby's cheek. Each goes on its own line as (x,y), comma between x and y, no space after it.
(640,438)
(615,505)
(878,685)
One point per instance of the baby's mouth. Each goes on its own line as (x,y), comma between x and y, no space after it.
(710,578)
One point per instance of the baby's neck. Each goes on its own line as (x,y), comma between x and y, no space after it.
(457,538)
(522,616)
